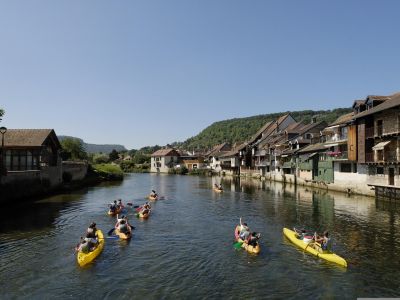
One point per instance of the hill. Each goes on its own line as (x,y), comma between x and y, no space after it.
(96,148)
(240,129)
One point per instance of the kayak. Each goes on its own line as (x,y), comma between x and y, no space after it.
(249,248)
(218,190)
(143,216)
(85,258)
(124,236)
(113,213)
(309,247)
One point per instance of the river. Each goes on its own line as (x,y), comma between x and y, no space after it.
(184,250)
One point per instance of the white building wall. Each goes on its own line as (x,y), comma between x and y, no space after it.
(351,182)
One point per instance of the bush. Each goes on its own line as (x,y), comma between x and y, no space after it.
(109,171)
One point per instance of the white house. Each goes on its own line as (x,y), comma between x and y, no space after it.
(163,160)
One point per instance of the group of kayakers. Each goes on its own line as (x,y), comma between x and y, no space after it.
(123,228)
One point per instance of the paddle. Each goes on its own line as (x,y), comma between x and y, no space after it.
(110,231)
(131,204)
(237,245)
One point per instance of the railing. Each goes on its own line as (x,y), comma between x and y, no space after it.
(387,156)
(336,138)
(369,157)
(262,163)
(338,155)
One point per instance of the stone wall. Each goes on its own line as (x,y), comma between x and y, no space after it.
(77,169)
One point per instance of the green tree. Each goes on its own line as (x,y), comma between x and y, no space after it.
(140,158)
(72,148)
(113,155)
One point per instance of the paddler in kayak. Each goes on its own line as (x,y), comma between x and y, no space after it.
(253,239)
(119,204)
(123,224)
(324,241)
(145,208)
(113,206)
(153,194)
(91,231)
(244,230)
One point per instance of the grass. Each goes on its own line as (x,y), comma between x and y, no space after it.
(109,171)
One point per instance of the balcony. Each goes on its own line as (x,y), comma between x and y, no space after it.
(338,155)
(336,138)
(380,130)
(262,163)
(382,157)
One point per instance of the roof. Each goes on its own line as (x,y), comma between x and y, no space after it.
(392,102)
(295,127)
(216,150)
(234,151)
(260,131)
(29,137)
(165,152)
(343,119)
(381,145)
(313,148)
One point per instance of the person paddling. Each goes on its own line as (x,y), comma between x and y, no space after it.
(244,230)
(324,241)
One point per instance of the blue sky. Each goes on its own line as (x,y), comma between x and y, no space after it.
(151,72)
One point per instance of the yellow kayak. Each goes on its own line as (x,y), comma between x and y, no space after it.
(309,247)
(218,190)
(143,215)
(247,247)
(124,236)
(85,258)
(152,198)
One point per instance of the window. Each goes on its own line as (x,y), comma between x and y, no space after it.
(345,168)
(355,168)
(380,171)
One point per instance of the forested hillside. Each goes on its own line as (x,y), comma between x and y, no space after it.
(96,148)
(241,129)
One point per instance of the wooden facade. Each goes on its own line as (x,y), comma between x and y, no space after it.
(352,142)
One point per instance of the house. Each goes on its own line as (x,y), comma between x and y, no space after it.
(214,154)
(31,154)
(378,139)
(230,161)
(163,160)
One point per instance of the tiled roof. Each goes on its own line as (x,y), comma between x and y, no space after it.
(313,148)
(392,102)
(28,137)
(166,152)
(216,150)
(343,119)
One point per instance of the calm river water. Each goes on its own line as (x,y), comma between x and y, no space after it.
(184,250)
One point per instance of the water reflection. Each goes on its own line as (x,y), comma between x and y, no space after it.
(184,250)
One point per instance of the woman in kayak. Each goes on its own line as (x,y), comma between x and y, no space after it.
(324,240)
(91,231)
(113,206)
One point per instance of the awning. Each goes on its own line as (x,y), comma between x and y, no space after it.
(380,145)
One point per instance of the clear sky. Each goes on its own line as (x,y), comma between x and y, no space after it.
(151,72)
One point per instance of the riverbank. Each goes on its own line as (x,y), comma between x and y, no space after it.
(28,190)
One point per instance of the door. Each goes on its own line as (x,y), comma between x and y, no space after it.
(391,176)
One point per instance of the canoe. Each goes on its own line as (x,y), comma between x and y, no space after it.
(327,255)
(152,198)
(113,213)
(218,190)
(124,236)
(85,258)
(143,216)
(249,248)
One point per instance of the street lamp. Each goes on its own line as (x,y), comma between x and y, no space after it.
(3,130)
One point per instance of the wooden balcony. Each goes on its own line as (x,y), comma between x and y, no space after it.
(382,157)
